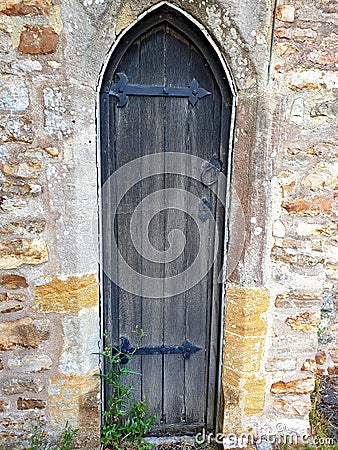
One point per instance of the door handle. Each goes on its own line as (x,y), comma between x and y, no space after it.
(211,171)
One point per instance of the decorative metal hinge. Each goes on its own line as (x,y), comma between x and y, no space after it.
(186,349)
(121,89)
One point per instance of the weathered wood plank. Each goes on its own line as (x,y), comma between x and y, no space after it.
(177,56)
(200,125)
(127,148)
(152,141)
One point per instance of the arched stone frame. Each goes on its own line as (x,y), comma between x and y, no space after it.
(236,396)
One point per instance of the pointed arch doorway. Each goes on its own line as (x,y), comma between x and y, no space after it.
(165,119)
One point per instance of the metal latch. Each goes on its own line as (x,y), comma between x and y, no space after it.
(211,171)
(204,210)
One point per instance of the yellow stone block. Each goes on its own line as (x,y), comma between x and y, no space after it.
(125,18)
(255,388)
(66,397)
(230,378)
(243,354)
(69,295)
(244,311)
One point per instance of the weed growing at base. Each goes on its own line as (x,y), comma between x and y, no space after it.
(125,420)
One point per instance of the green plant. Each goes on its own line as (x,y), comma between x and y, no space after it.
(39,440)
(320,425)
(125,420)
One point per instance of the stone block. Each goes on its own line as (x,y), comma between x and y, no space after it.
(230,377)
(334,354)
(65,295)
(17,128)
(243,353)
(37,40)
(7,297)
(14,386)
(332,370)
(26,189)
(285,13)
(294,258)
(326,109)
(292,407)
(324,149)
(244,311)
(286,49)
(28,65)
(302,386)
(296,34)
(23,170)
(323,176)
(125,18)
(278,229)
(30,403)
(332,271)
(231,396)
(23,332)
(82,328)
(281,364)
(25,7)
(23,227)
(29,363)
(89,404)
(12,281)
(4,406)
(313,229)
(255,387)
(320,357)
(17,252)
(293,299)
(11,309)
(306,322)
(66,399)
(13,94)
(309,365)
(309,206)
(51,151)
(311,79)
(10,205)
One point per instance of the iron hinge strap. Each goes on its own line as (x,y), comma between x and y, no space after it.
(186,349)
(121,89)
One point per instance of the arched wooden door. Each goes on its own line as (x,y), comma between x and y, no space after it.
(165,108)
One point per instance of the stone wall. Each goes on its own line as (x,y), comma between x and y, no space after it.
(304,253)
(299,253)
(48,283)
(282,294)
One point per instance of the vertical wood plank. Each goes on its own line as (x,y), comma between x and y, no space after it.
(127,149)
(198,297)
(152,141)
(177,56)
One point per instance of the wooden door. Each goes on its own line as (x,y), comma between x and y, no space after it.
(158,127)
